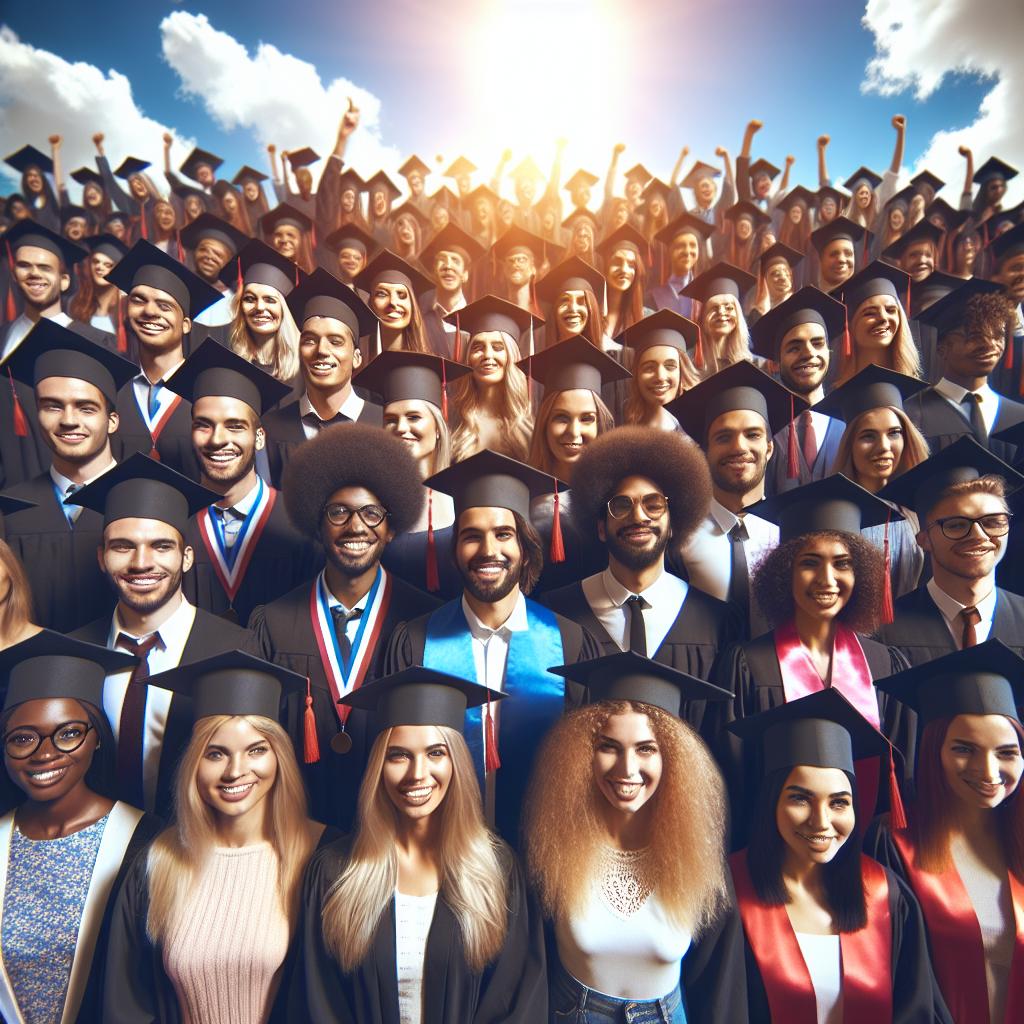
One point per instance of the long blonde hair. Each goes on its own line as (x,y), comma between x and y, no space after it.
(474,865)
(541,456)
(903,356)
(687,844)
(284,360)
(181,850)
(915,447)
(734,349)
(16,603)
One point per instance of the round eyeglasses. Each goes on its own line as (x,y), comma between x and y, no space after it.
(654,505)
(25,741)
(371,515)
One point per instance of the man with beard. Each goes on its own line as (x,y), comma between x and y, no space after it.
(796,336)
(494,635)
(638,490)
(75,384)
(733,415)
(212,244)
(246,551)
(449,256)
(520,257)
(146,508)
(352,489)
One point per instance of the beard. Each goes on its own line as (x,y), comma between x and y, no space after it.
(634,557)
(490,592)
(144,604)
(353,565)
(732,485)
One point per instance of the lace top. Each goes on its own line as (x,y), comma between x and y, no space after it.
(625,883)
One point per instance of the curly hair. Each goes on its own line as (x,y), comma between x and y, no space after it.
(772,582)
(668,458)
(989,316)
(352,455)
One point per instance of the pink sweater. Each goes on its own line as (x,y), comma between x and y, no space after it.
(224,954)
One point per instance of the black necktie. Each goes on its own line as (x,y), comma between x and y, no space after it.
(131,729)
(739,577)
(637,630)
(973,402)
(341,620)
(314,421)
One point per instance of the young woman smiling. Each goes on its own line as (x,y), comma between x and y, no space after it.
(392,286)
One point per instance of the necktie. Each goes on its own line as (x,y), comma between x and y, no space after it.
(739,576)
(973,402)
(154,399)
(341,620)
(133,714)
(808,440)
(72,512)
(231,519)
(314,421)
(637,630)
(970,617)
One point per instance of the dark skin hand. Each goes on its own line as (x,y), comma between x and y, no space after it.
(62,805)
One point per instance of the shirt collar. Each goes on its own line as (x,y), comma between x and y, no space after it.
(515,623)
(333,602)
(618,594)
(244,506)
(956,393)
(63,483)
(351,407)
(442,312)
(677,284)
(951,608)
(141,377)
(173,631)
(724,519)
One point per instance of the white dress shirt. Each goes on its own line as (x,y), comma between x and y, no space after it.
(352,407)
(950,610)
(63,484)
(21,325)
(219,313)
(143,387)
(954,394)
(164,655)
(607,599)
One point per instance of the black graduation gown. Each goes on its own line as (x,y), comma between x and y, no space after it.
(406,557)
(283,633)
(174,444)
(281,559)
(136,988)
(21,458)
(702,629)
(68,586)
(511,990)
(583,556)
(777,482)
(942,424)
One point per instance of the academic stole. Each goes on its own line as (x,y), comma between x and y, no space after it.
(345,677)
(954,937)
(865,955)
(230,564)
(155,425)
(851,676)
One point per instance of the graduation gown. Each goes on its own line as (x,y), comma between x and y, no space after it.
(406,557)
(174,443)
(126,835)
(68,586)
(583,557)
(283,633)
(21,458)
(942,423)
(775,479)
(511,990)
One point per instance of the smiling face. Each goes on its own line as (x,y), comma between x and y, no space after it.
(683,253)
(518,266)
(417,770)
(92,195)
(488,357)
(918,259)
(877,448)
(804,358)
(815,814)
(720,316)
(863,195)
(237,770)
(779,278)
(968,357)
(99,266)
(875,323)
(226,436)
(327,353)
(582,238)
(981,760)
(74,417)
(622,269)
(571,425)
(156,318)
(571,312)
(392,303)
(739,447)
(164,215)
(413,424)
(286,239)
(145,560)
(837,260)
(251,190)
(638,540)
(211,258)
(744,229)
(487,553)
(354,548)
(230,204)
(262,309)
(658,374)
(39,276)
(194,207)
(627,764)
(976,555)
(823,578)
(450,270)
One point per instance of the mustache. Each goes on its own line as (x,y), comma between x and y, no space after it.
(479,563)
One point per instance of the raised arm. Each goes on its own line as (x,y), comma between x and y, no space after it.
(609,182)
(678,169)
(328,192)
(823,178)
(784,183)
(58,178)
(727,193)
(887,189)
(173,180)
(743,160)
(967,196)
(499,171)
(555,180)
(118,196)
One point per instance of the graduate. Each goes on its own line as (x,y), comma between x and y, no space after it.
(725,335)
(917,250)
(519,257)
(685,240)
(834,243)
(76,385)
(416,172)
(350,248)
(289,231)
(254,199)
(200,166)
(409,227)
(36,187)
(247,553)
(643,920)
(211,244)
(67,847)
(204,926)
(392,285)
(829,933)
(778,271)
(570,293)
(624,256)
(494,634)
(450,256)
(97,303)
(422,915)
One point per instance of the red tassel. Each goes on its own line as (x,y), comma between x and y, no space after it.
(310,743)
(20,419)
(296,275)
(181,251)
(1008,358)
(444,391)
(458,340)
(122,334)
(142,221)
(238,276)
(907,309)
(12,309)
(433,576)
(897,812)
(557,543)
(792,458)
(698,352)
(492,762)
(888,612)
(847,340)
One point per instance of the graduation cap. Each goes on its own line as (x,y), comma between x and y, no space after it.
(835,229)
(762,166)
(29,156)
(9,505)
(1002,220)
(951,217)
(381,181)
(446,198)
(877,278)
(131,165)
(930,289)
(303,157)
(145,264)
(1009,243)
(87,176)
(947,313)
(575,364)
(259,263)
(283,213)
(747,209)
(810,305)
(489,313)
(519,238)
(581,213)
(459,166)
(484,192)
(207,226)
(839,197)
(698,172)
(190,168)
(248,173)
(993,167)
(322,294)
(214,371)
(50,350)
(71,212)
(624,237)
(964,460)
(798,194)
(685,222)
(108,245)
(665,327)
(52,666)
(349,179)
(184,192)
(352,236)
(905,196)
(779,251)
(722,279)
(451,238)
(410,208)
(924,179)
(657,187)
(863,175)
(412,165)
(874,387)
(411,376)
(221,187)
(28,232)
(628,676)
(390,268)
(572,274)
(639,174)
(580,180)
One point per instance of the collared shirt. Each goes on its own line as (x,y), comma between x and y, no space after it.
(237,513)
(147,391)
(22,325)
(352,407)
(64,485)
(607,599)
(219,313)
(820,423)
(955,394)
(950,610)
(166,654)
(352,626)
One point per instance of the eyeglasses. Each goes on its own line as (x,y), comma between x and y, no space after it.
(957,527)
(654,505)
(24,742)
(371,515)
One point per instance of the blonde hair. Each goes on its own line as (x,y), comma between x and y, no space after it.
(179,853)
(541,456)
(16,603)
(474,865)
(734,349)
(284,360)
(442,457)
(636,410)
(687,844)
(901,356)
(915,447)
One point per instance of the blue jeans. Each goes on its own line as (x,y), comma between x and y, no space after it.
(573,1003)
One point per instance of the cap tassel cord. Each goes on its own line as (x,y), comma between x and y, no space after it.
(847,340)
(142,220)
(1008,358)
(897,812)
(492,762)
(181,251)
(444,391)
(20,419)
(122,334)
(698,352)
(238,276)
(433,576)
(310,742)
(11,310)
(557,541)
(888,612)
(792,458)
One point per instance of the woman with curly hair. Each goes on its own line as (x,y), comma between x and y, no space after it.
(642,923)
(422,915)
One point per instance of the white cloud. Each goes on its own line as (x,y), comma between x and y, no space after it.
(276,96)
(919,43)
(42,94)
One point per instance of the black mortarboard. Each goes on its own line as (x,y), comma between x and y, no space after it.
(489,313)
(987,679)
(490,480)
(658,187)
(666,327)
(50,350)
(874,387)
(839,227)
(248,173)
(739,386)
(795,195)
(379,181)
(51,666)
(951,217)
(142,488)
(109,245)
(638,173)
(69,212)
(962,461)
(145,264)
(29,156)
(221,187)
(414,163)
(779,251)
(572,274)
(698,172)
(929,290)
(131,165)
(302,157)
(322,294)
(352,236)
(947,313)
(628,676)
(993,167)
(519,238)
(573,364)
(9,505)
(486,193)
(410,376)
(259,263)
(838,196)
(1010,435)
(212,370)
(410,208)
(835,503)
(183,192)
(231,683)
(581,179)
(1002,220)
(445,197)
(810,305)
(1009,243)
(459,166)
(190,167)
(283,214)
(762,166)
(747,209)
(349,179)
(863,174)
(390,268)
(904,196)
(451,238)
(581,214)
(877,278)
(721,279)
(685,222)
(87,176)
(624,237)
(926,177)
(29,232)
(923,230)
(206,225)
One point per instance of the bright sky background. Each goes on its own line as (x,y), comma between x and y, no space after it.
(474,76)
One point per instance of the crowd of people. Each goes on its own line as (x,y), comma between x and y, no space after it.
(435,608)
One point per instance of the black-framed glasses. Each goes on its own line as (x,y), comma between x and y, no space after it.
(654,505)
(25,741)
(371,515)
(996,524)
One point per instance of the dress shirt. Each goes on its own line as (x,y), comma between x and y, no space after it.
(950,610)
(143,388)
(352,625)
(21,325)
(820,423)
(63,484)
(989,405)
(219,313)
(607,599)
(237,512)
(352,407)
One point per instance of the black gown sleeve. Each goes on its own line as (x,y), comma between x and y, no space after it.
(257,626)
(398,655)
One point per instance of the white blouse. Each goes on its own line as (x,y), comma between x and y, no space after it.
(413,916)
(823,956)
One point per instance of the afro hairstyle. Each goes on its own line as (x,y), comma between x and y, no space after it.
(352,455)
(669,458)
